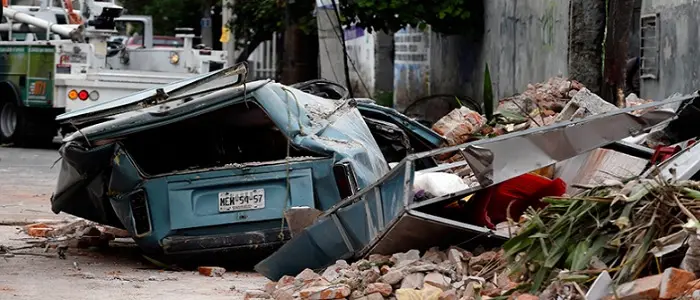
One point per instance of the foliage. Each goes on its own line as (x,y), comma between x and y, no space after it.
(254,19)
(257,19)
(169,14)
(444,16)
(611,228)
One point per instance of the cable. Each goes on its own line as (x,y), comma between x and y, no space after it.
(345,50)
(347,58)
(328,53)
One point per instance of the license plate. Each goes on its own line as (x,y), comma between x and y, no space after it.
(241,200)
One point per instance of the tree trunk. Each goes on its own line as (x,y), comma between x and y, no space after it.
(616,43)
(586,33)
(300,56)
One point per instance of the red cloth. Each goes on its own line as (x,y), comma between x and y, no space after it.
(491,205)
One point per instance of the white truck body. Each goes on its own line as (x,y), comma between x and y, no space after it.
(88,73)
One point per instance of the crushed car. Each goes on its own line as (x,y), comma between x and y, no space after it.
(213,162)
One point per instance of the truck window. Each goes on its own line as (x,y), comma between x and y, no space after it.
(61,19)
(20,37)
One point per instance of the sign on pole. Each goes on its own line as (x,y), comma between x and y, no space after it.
(205,23)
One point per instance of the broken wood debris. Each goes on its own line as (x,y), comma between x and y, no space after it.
(60,236)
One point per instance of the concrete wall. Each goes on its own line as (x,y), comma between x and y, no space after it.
(370,55)
(679,60)
(330,54)
(525,41)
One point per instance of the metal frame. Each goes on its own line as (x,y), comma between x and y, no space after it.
(493,160)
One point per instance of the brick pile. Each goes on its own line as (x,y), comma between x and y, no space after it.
(442,275)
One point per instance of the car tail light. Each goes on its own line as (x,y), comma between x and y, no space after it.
(73,94)
(345,180)
(83,95)
(140,213)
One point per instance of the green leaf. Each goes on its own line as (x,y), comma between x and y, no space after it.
(579,255)
(596,249)
(459,102)
(539,235)
(691,193)
(539,278)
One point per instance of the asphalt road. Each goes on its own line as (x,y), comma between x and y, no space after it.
(27,181)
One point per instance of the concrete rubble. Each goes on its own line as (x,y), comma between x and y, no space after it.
(81,234)
(435,274)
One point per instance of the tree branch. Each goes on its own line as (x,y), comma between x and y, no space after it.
(255,41)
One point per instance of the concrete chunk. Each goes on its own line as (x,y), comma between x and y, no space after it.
(585,103)
(438,280)
(413,281)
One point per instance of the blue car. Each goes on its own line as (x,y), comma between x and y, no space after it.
(214,162)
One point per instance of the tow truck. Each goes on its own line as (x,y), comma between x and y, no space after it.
(56,59)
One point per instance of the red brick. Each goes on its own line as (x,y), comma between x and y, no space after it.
(36,225)
(385,269)
(673,283)
(382,288)
(692,286)
(212,271)
(338,291)
(307,276)
(39,231)
(286,280)
(640,289)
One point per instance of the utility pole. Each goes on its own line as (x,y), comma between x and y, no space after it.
(619,25)
(586,36)
(228,45)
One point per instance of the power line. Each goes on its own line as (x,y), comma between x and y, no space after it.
(345,56)
(345,51)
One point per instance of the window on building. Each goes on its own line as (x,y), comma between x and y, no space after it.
(649,41)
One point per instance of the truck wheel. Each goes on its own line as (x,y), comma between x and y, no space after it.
(9,118)
(22,127)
